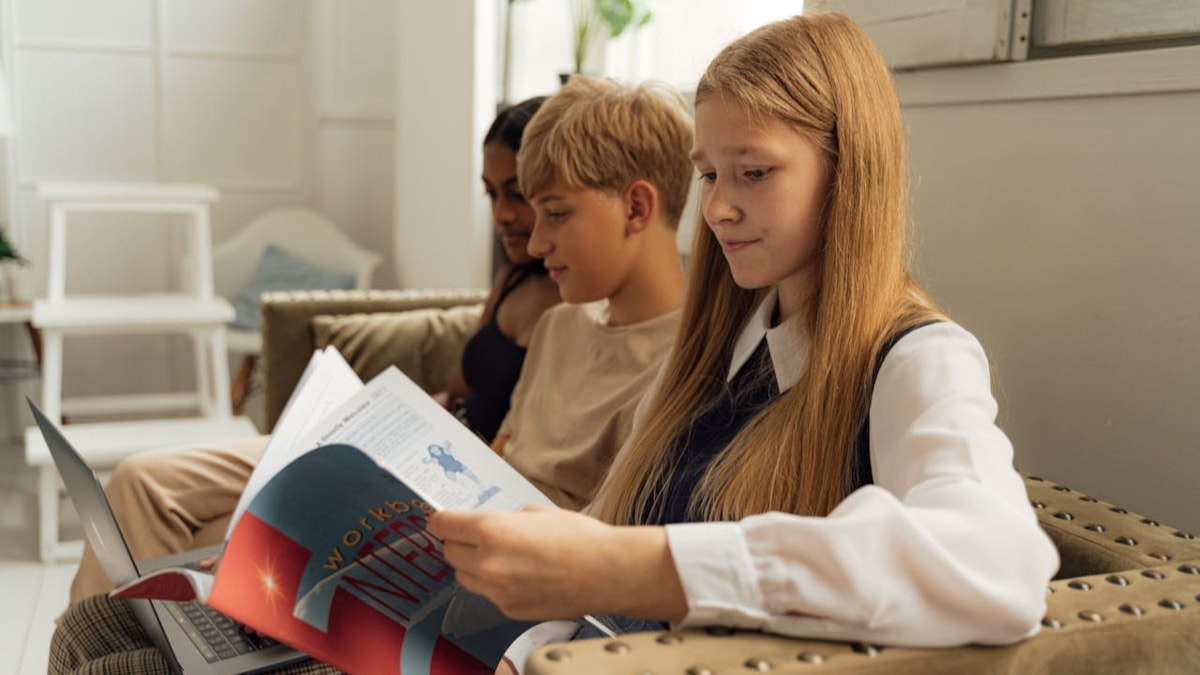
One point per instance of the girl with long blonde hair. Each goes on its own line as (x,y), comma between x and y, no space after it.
(819,455)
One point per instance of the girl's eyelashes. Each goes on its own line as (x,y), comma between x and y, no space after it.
(752,175)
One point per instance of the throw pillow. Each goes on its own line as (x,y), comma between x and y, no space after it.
(425,344)
(279,270)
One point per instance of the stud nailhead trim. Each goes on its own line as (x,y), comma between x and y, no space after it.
(758,665)
(865,649)
(616,647)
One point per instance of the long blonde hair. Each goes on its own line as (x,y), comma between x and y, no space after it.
(822,75)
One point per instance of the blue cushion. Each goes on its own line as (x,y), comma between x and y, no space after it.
(279,270)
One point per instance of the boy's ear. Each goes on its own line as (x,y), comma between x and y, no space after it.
(641,203)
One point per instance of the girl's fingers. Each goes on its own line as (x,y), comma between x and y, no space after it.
(459,555)
(454,525)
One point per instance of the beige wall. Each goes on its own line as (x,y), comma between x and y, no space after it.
(1065,232)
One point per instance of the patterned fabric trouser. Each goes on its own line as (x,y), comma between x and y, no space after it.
(101,636)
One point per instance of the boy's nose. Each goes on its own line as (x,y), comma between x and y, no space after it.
(538,246)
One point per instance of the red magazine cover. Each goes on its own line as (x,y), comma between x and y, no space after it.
(329,552)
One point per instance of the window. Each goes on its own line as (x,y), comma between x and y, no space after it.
(674,47)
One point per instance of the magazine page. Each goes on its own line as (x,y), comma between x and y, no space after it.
(180,584)
(333,558)
(327,382)
(404,430)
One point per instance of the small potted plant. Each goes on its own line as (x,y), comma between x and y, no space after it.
(594,21)
(10,259)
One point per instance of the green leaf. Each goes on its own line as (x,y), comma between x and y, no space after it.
(8,251)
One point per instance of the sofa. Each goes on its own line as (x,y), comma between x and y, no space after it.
(1126,598)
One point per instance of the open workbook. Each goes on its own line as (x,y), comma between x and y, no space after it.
(328,550)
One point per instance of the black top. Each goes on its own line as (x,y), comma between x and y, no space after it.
(491,364)
(751,389)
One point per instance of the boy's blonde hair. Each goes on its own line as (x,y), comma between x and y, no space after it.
(604,135)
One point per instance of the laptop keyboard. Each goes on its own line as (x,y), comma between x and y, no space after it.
(216,636)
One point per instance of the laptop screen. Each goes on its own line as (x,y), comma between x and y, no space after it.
(99,525)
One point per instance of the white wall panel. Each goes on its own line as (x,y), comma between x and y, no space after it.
(122,22)
(238,207)
(1069,247)
(355,176)
(356,70)
(249,26)
(86,116)
(234,122)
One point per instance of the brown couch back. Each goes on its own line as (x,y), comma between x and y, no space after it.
(290,334)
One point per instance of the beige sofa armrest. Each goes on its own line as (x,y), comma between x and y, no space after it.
(1126,600)
(289,340)
(1094,625)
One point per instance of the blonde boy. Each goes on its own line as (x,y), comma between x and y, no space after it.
(606,168)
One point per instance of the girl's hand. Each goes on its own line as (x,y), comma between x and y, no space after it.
(546,563)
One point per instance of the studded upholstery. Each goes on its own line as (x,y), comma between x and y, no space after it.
(1126,600)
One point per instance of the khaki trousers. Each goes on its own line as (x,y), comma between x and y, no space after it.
(172,500)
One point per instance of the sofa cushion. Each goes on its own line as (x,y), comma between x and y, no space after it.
(279,270)
(425,344)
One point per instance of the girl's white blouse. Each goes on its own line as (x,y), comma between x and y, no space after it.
(942,549)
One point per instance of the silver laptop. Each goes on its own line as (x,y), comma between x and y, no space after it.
(193,638)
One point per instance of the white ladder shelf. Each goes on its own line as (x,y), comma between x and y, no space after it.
(195,312)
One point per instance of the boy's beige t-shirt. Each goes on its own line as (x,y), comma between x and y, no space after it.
(572,408)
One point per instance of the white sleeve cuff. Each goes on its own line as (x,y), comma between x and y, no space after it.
(717,574)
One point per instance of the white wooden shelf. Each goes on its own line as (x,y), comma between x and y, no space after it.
(119,314)
(108,442)
(197,313)
(138,193)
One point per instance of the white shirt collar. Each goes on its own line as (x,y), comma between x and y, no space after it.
(788,343)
